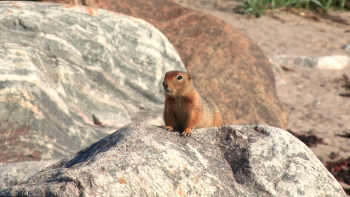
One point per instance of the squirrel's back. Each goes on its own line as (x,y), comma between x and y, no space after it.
(211,114)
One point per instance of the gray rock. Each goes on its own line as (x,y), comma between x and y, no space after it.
(335,62)
(145,160)
(347,47)
(61,64)
(293,60)
(15,173)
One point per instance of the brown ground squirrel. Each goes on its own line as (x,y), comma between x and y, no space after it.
(184,107)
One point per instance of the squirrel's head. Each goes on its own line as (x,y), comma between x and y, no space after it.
(177,83)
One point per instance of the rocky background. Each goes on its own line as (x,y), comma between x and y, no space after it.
(226,64)
(96,65)
(62,66)
(71,75)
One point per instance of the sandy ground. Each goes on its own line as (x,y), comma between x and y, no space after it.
(313,95)
(297,36)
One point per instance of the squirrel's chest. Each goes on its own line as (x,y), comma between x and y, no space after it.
(181,106)
(183,109)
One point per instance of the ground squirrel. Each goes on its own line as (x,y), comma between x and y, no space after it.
(184,107)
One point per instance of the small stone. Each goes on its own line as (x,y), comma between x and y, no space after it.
(335,62)
(346,47)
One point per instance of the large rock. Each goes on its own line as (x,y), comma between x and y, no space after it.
(15,173)
(145,160)
(226,65)
(60,65)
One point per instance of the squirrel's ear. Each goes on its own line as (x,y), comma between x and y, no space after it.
(189,76)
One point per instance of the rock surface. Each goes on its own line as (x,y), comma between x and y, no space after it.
(15,173)
(226,65)
(61,65)
(142,159)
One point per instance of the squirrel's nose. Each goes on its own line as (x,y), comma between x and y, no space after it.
(165,85)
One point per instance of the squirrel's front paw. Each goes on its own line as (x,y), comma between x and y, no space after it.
(168,128)
(186,133)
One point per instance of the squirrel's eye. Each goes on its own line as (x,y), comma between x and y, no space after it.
(179,77)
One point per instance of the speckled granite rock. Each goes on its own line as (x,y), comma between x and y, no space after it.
(145,160)
(15,173)
(59,65)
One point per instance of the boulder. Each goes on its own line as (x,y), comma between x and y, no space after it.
(146,160)
(226,65)
(71,75)
(15,173)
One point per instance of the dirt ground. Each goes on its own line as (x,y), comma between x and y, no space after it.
(297,35)
(319,100)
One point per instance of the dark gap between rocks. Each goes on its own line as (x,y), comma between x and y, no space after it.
(308,140)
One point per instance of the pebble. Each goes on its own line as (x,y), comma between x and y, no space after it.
(346,47)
